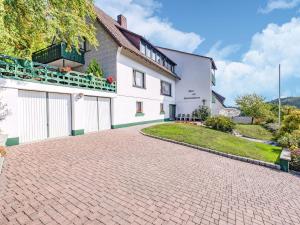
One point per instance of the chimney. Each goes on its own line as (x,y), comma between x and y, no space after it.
(122,21)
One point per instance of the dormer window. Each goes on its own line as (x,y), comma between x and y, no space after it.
(158,59)
(148,52)
(143,48)
(153,54)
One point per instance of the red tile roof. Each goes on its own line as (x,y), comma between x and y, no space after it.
(114,29)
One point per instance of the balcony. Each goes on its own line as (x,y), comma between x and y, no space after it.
(58,55)
(25,70)
(213,79)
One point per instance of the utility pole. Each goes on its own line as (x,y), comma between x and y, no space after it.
(279,96)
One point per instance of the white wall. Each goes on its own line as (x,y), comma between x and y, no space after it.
(196,82)
(9,95)
(217,108)
(124,106)
(9,125)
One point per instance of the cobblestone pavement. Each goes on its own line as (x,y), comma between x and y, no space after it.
(122,177)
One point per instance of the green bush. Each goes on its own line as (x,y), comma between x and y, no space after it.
(273,127)
(288,141)
(291,122)
(94,68)
(295,162)
(220,123)
(202,113)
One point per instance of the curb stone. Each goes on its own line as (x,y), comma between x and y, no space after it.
(235,157)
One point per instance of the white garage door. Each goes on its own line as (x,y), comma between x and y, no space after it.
(91,114)
(59,114)
(104,113)
(42,115)
(97,112)
(32,116)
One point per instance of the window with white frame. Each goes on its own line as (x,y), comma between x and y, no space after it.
(148,51)
(143,48)
(166,88)
(138,79)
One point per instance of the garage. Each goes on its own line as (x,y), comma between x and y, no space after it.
(91,112)
(42,115)
(59,115)
(98,114)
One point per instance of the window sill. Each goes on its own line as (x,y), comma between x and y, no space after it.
(166,95)
(139,114)
(139,87)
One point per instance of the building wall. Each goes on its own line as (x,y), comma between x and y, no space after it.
(124,106)
(105,54)
(217,108)
(196,82)
(9,96)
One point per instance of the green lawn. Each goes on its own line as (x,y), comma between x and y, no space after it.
(254,131)
(216,140)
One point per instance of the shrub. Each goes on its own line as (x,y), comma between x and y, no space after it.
(221,123)
(94,68)
(273,127)
(202,113)
(291,122)
(295,162)
(288,141)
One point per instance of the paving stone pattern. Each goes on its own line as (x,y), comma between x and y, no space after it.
(122,177)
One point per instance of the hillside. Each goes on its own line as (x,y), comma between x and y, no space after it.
(295,101)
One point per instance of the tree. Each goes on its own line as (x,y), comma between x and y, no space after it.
(29,25)
(254,106)
(94,68)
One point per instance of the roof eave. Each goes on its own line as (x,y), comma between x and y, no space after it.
(153,63)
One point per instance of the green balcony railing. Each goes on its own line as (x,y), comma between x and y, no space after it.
(25,70)
(56,52)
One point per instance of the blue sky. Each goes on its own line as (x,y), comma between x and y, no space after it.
(248,39)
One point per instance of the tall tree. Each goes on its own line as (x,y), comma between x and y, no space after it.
(29,25)
(255,106)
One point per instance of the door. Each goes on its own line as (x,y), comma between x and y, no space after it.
(59,114)
(32,115)
(172,112)
(104,113)
(91,114)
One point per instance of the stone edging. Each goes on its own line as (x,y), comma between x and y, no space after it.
(1,163)
(240,158)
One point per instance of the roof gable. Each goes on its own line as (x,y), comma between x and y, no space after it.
(128,42)
(192,54)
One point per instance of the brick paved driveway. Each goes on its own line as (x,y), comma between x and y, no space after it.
(122,177)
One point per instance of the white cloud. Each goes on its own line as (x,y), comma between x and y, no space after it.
(217,52)
(279,4)
(141,19)
(257,71)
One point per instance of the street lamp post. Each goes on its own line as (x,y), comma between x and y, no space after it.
(279,96)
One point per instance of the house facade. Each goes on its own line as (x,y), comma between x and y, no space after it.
(197,75)
(150,84)
(145,76)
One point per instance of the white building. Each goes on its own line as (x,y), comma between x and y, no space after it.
(45,103)
(197,75)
